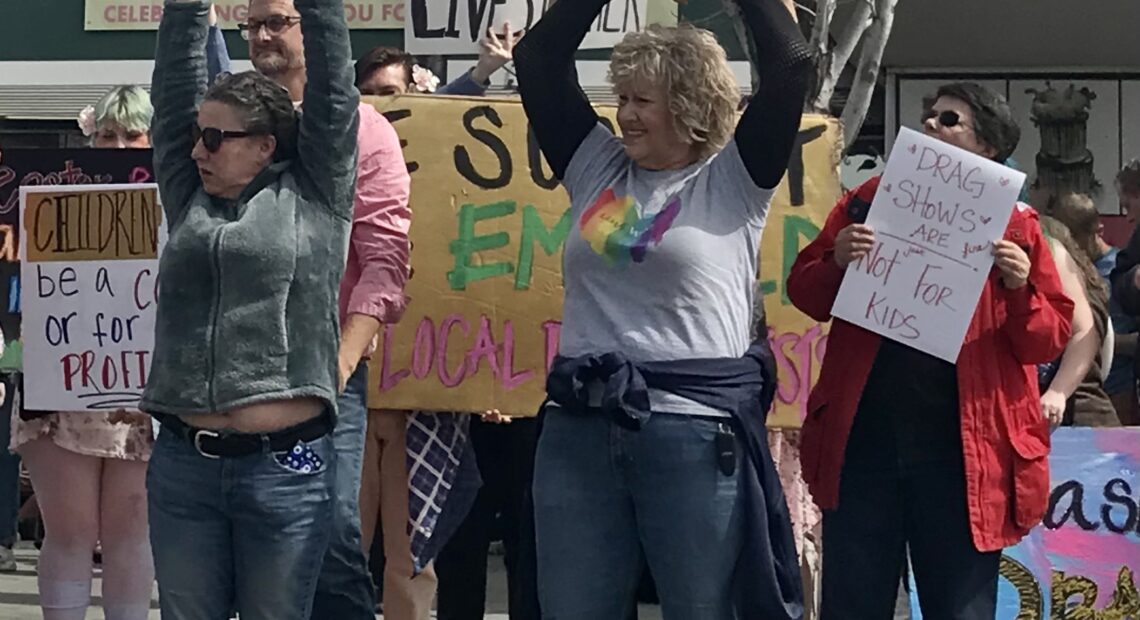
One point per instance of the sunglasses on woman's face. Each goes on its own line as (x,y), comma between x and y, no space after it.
(212,137)
(946,118)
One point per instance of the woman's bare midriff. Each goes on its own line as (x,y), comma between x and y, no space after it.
(260,418)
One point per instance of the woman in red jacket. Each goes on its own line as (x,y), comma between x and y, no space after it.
(904,450)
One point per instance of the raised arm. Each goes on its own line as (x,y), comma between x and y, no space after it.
(217,53)
(544,65)
(177,87)
(494,52)
(326,140)
(464,85)
(767,129)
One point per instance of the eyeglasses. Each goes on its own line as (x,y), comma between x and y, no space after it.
(946,118)
(275,24)
(212,137)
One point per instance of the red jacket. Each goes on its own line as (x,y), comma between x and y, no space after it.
(1005,438)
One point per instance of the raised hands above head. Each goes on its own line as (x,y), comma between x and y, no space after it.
(495,50)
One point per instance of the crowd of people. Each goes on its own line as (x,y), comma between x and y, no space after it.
(254,478)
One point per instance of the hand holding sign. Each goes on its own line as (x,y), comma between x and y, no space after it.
(1012,262)
(853,243)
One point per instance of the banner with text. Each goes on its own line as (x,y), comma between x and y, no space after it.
(90,268)
(936,215)
(457,26)
(490,220)
(36,167)
(146,14)
(1083,560)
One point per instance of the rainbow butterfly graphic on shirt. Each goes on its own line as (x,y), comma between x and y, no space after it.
(615,231)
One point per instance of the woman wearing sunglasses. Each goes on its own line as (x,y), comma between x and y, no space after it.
(906,451)
(244,374)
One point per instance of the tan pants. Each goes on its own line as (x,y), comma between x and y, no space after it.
(384,494)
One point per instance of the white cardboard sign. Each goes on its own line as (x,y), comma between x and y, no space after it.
(457,26)
(936,215)
(89,264)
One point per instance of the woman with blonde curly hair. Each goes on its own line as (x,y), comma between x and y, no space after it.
(653,438)
(88,468)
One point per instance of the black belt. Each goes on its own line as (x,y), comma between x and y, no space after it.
(228,444)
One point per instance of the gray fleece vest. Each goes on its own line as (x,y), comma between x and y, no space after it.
(247,301)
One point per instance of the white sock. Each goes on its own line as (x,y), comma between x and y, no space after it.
(127,611)
(64,600)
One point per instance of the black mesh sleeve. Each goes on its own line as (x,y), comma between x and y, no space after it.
(548,83)
(767,130)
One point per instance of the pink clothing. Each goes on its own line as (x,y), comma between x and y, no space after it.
(119,434)
(378,252)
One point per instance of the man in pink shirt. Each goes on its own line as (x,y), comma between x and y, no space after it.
(371,294)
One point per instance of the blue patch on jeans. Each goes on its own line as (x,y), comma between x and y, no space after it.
(301,459)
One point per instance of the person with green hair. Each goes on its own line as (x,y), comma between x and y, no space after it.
(120,120)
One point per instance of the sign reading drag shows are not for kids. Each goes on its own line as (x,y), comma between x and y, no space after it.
(488,228)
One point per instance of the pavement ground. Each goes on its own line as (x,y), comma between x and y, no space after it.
(19,600)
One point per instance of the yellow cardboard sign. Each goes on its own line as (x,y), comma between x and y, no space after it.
(85,224)
(146,14)
(489,222)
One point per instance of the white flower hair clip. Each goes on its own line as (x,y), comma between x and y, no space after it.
(423,80)
(86,121)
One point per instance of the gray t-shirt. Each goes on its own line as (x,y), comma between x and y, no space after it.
(660,265)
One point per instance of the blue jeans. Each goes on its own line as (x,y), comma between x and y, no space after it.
(244,533)
(344,589)
(604,494)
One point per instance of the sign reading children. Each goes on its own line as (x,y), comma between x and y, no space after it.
(936,215)
(90,272)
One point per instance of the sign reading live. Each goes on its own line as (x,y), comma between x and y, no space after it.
(90,267)
(36,167)
(146,14)
(936,215)
(457,26)
(483,321)
(1083,560)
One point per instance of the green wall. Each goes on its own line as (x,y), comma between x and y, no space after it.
(53,30)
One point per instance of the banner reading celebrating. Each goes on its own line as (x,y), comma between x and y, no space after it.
(90,264)
(146,14)
(489,224)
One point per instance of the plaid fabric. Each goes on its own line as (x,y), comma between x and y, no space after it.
(436,445)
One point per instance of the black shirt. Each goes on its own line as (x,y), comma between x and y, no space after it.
(908,414)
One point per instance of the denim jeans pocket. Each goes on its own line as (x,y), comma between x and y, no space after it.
(302,458)
(704,428)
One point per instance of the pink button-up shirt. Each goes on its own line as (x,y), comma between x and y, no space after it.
(378,252)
